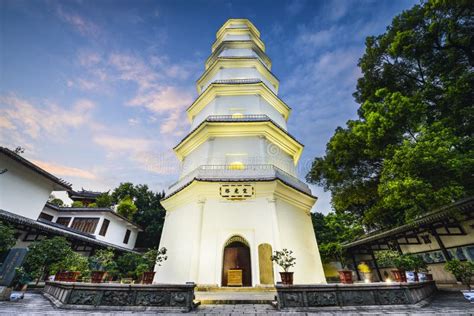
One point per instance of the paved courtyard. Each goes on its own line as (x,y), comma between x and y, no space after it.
(444,303)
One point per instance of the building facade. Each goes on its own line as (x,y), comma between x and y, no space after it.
(24,192)
(437,237)
(238,197)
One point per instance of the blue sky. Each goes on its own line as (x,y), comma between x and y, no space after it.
(96,91)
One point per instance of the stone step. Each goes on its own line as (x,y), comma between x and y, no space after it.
(213,288)
(234,297)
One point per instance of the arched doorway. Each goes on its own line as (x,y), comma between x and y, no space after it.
(237,256)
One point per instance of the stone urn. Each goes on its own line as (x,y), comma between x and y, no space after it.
(98,276)
(147,277)
(345,276)
(286,278)
(399,276)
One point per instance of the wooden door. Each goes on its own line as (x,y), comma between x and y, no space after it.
(237,256)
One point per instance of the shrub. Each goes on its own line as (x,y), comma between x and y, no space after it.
(127,208)
(103,260)
(284,259)
(7,237)
(77,204)
(462,270)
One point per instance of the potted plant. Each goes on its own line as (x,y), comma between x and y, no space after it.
(70,267)
(365,270)
(417,265)
(285,260)
(150,259)
(392,258)
(462,270)
(102,263)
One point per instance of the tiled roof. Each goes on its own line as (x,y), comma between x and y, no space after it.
(91,209)
(84,194)
(464,205)
(56,229)
(11,154)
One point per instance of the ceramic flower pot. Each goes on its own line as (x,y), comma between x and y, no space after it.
(286,278)
(399,276)
(98,276)
(345,276)
(147,277)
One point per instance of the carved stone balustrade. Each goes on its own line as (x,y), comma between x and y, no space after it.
(309,297)
(124,297)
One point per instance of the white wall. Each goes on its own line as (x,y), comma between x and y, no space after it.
(115,232)
(248,150)
(237,37)
(195,234)
(246,104)
(238,73)
(22,191)
(238,52)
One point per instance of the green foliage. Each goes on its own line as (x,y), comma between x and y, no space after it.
(7,237)
(77,204)
(104,200)
(128,263)
(332,230)
(45,254)
(92,205)
(406,262)
(73,262)
(150,214)
(155,257)
(284,259)
(410,150)
(103,260)
(385,258)
(462,270)
(127,208)
(56,201)
(133,265)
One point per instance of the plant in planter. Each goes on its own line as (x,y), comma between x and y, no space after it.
(336,251)
(150,259)
(392,258)
(285,260)
(462,270)
(69,269)
(417,265)
(102,263)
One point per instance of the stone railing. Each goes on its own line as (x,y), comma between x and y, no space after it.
(308,297)
(248,173)
(124,297)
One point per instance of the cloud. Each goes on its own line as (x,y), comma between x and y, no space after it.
(34,120)
(60,170)
(79,23)
(294,7)
(122,144)
(140,151)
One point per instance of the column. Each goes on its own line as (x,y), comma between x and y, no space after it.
(196,258)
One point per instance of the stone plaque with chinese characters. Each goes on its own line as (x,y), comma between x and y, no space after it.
(234,277)
(237,191)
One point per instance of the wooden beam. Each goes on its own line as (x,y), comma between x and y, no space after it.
(441,244)
(376,266)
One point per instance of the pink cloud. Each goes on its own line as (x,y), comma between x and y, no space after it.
(61,170)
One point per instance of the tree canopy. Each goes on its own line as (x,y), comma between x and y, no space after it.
(7,237)
(410,150)
(150,214)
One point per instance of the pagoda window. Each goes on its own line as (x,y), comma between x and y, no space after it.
(127,236)
(104,227)
(63,221)
(46,217)
(85,224)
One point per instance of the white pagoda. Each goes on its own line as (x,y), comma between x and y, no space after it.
(238,197)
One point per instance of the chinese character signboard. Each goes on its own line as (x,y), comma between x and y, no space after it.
(237,191)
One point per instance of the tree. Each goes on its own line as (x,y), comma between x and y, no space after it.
(77,204)
(104,200)
(332,230)
(7,237)
(462,270)
(44,254)
(73,262)
(410,150)
(150,213)
(127,208)
(55,201)
(127,264)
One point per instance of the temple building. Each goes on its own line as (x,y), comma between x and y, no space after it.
(238,197)
(84,196)
(24,192)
